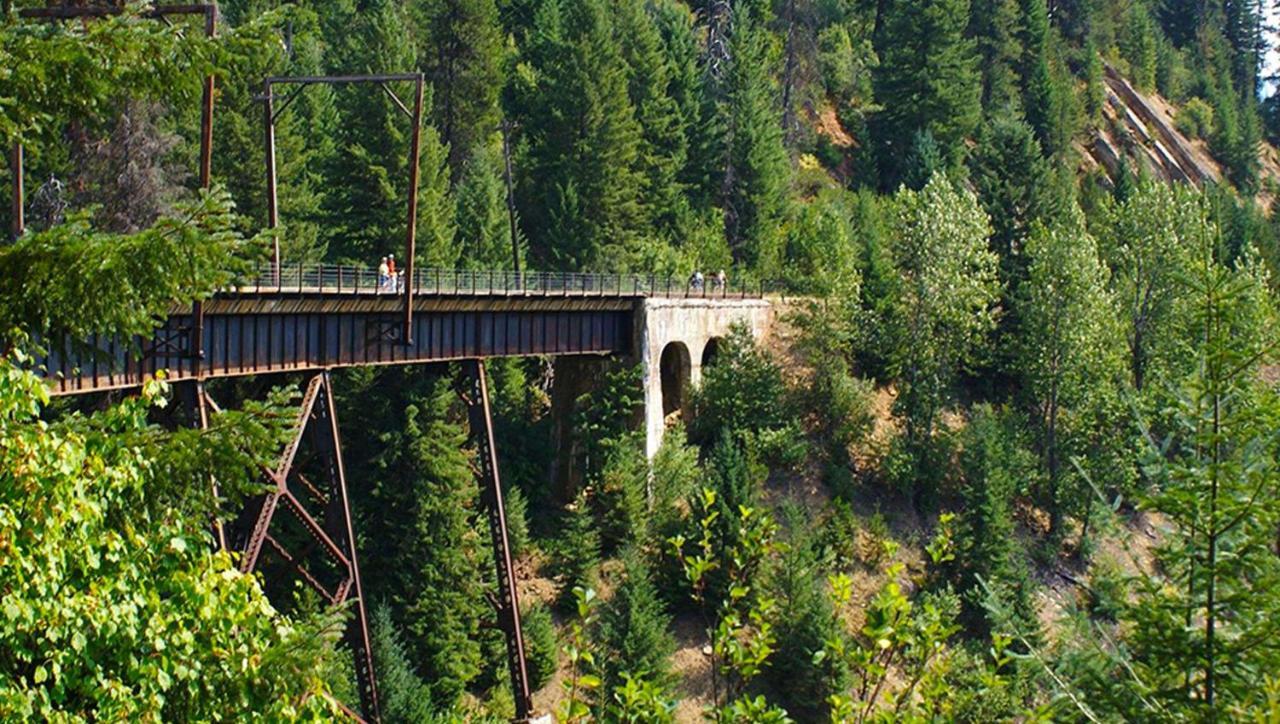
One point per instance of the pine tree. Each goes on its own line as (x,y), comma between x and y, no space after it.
(402,696)
(928,79)
(996,26)
(541,646)
(1201,625)
(807,623)
(675,24)
(302,136)
(754,176)
(663,149)
(461,51)
(925,161)
(994,465)
(371,166)
(577,550)
(634,628)
(416,503)
(1015,185)
(484,225)
(1138,46)
(582,187)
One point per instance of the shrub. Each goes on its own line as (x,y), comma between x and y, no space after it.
(1195,119)
(540,644)
(634,629)
(577,552)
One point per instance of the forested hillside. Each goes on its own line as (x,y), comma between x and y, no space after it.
(1009,454)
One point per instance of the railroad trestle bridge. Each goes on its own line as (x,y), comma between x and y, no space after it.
(314,319)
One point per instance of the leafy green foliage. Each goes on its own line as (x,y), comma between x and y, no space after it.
(945,306)
(134,278)
(115,608)
(743,396)
(1070,366)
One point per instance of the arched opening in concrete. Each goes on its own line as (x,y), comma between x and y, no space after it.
(675,366)
(710,352)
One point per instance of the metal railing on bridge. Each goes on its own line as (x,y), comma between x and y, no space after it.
(337,279)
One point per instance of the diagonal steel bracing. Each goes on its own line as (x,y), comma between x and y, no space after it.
(325,546)
(475,394)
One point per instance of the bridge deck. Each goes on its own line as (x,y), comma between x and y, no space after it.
(329,317)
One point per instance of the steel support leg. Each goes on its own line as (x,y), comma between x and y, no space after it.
(199,404)
(475,394)
(329,533)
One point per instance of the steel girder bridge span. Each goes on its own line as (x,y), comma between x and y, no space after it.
(320,318)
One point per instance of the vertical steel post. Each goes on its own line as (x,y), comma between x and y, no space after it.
(476,396)
(511,199)
(15,166)
(273,213)
(200,419)
(206,179)
(411,234)
(358,632)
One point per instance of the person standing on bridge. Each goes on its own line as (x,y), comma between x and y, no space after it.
(721,280)
(384,273)
(391,272)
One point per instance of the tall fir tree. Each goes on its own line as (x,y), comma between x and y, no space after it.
(369,215)
(928,79)
(675,24)
(302,134)
(755,172)
(663,148)
(996,26)
(484,225)
(417,496)
(634,628)
(461,49)
(1014,182)
(581,189)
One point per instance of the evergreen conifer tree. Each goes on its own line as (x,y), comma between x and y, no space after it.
(582,189)
(755,171)
(634,628)
(987,550)
(416,505)
(1015,185)
(461,50)
(925,160)
(371,164)
(663,149)
(928,78)
(484,226)
(402,696)
(996,26)
(577,550)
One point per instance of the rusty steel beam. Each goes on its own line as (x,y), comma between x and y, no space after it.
(273,211)
(331,534)
(19,201)
(411,233)
(475,393)
(358,632)
(329,334)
